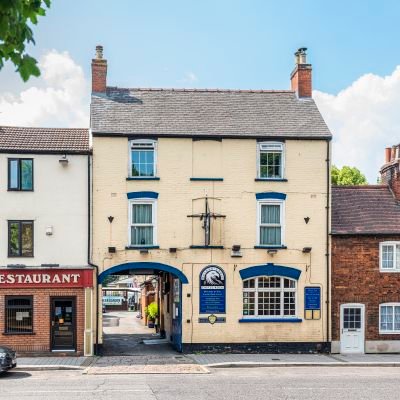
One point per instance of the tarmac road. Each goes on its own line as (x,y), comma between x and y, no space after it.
(300,383)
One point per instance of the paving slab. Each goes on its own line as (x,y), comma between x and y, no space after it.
(49,363)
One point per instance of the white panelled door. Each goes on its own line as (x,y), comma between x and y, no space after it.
(352,328)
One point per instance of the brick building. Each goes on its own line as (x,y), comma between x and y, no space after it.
(46,284)
(365,269)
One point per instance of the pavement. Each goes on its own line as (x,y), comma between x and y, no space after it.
(124,352)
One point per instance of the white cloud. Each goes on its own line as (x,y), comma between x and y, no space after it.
(60,97)
(364,119)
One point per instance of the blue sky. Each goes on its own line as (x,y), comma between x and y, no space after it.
(233,44)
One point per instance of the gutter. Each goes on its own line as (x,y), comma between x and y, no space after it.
(89,257)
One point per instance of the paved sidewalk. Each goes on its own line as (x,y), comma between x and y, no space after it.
(257,360)
(49,363)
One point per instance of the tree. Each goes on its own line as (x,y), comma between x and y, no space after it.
(347,176)
(16,33)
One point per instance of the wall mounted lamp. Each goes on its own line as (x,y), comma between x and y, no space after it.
(307,249)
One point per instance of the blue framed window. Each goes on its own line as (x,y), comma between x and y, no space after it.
(143,158)
(20,174)
(269,297)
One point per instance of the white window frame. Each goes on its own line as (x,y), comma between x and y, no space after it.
(282,290)
(389,243)
(153,202)
(144,143)
(392,332)
(270,146)
(279,202)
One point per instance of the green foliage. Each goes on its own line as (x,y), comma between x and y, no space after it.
(16,16)
(152,310)
(110,279)
(347,176)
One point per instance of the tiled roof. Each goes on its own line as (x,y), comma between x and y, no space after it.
(364,209)
(197,112)
(42,140)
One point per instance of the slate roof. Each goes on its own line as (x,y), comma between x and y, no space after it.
(366,209)
(202,112)
(44,140)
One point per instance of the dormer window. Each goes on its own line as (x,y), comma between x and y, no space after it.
(143,156)
(270,156)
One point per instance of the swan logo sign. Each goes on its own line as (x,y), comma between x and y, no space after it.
(212,290)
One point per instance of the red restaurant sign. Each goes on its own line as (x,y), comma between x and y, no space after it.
(46,278)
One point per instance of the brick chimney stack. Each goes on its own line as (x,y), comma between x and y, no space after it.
(390,172)
(99,72)
(301,77)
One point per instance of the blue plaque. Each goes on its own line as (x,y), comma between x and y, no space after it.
(312,298)
(212,290)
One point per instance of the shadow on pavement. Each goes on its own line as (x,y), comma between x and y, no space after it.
(14,375)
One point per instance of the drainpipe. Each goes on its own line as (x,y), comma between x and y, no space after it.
(328,186)
(89,258)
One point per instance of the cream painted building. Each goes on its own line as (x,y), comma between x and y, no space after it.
(225,195)
(44,273)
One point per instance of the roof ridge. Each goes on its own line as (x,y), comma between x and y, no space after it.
(39,127)
(205,90)
(382,186)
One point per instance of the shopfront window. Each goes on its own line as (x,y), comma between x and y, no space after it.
(19,314)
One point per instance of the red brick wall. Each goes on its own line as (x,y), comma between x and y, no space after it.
(99,75)
(301,80)
(40,341)
(356,279)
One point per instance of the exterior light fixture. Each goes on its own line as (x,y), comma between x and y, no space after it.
(306,220)
(110,219)
(236,251)
(307,249)
(112,249)
(144,251)
(172,249)
(236,247)
(271,252)
(63,160)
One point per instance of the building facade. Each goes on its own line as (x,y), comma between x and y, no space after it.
(224,194)
(366,267)
(46,285)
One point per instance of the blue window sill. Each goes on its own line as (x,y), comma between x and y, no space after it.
(270,247)
(141,247)
(143,178)
(271,179)
(273,320)
(206,247)
(207,179)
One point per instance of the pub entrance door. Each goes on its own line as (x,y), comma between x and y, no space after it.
(63,324)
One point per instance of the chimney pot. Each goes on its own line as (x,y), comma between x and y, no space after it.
(388,153)
(99,52)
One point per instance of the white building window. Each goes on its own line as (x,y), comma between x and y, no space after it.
(389,256)
(269,297)
(143,158)
(142,227)
(270,157)
(270,218)
(389,318)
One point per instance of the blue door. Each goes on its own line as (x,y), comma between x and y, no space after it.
(177,314)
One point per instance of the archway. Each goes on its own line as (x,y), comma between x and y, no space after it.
(170,291)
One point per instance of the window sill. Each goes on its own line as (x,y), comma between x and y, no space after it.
(20,190)
(270,247)
(19,334)
(271,179)
(141,247)
(207,179)
(143,178)
(206,247)
(390,271)
(389,333)
(273,320)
